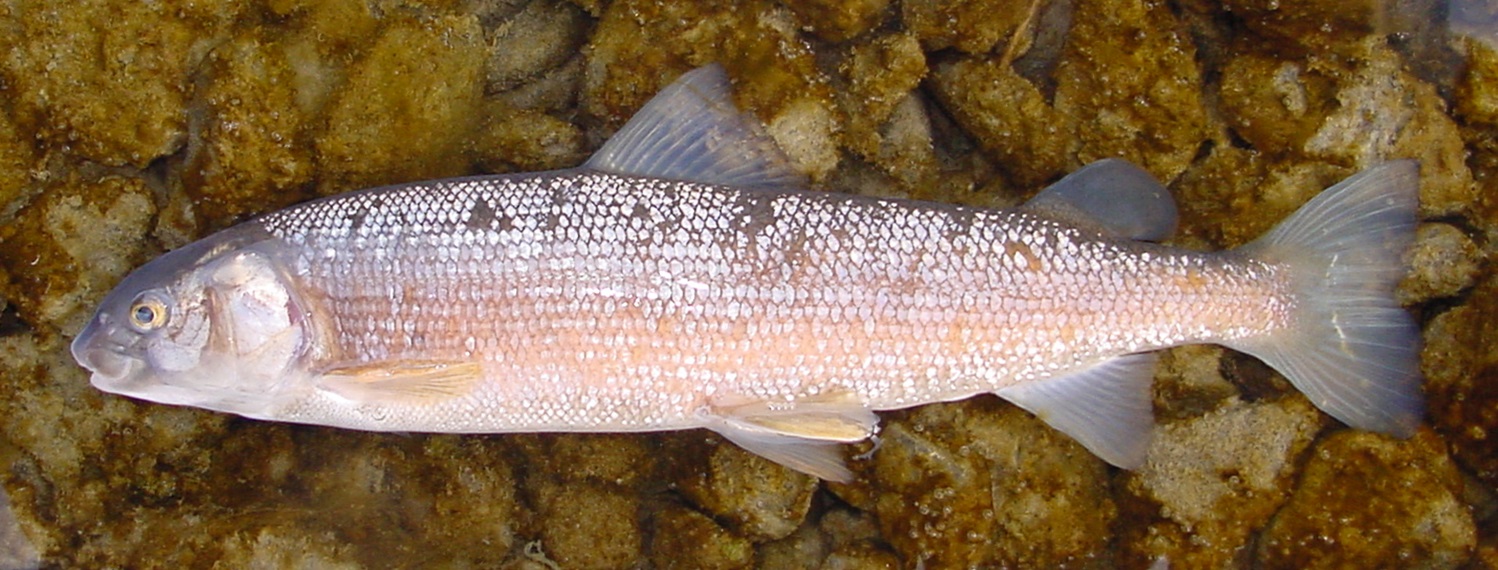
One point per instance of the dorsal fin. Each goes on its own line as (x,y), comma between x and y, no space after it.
(692,131)
(1112,196)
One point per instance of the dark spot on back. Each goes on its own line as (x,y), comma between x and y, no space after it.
(482,216)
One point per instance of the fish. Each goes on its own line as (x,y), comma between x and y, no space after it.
(684,277)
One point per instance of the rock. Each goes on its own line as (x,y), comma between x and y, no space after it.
(751,496)
(1444,261)
(406,112)
(60,59)
(839,20)
(982,483)
(249,152)
(1238,459)
(1140,102)
(686,539)
(1371,501)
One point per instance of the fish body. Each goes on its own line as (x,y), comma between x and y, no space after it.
(657,288)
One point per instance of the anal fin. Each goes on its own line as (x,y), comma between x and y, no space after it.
(402,382)
(1106,407)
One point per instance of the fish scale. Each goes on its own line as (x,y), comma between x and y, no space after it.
(603,280)
(681,278)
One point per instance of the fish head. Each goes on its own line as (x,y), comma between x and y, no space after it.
(216,324)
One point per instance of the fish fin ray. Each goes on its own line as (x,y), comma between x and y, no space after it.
(1107,407)
(402,382)
(1351,349)
(692,131)
(818,458)
(1113,197)
(805,435)
(836,417)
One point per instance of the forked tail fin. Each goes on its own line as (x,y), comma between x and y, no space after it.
(1351,348)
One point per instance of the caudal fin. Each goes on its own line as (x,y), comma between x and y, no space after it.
(1351,349)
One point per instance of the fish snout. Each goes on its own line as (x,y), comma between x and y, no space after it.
(95,351)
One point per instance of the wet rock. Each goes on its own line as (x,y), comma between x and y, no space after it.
(18,159)
(884,122)
(70,246)
(272,549)
(1462,379)
(1277,104)
(60,59)
(686,539)
(1371,501)
(971,26)
(540,36)
(1410,119)
(844,539)
(406,112)
(249,152)
(640,46)
(622,460)
(587,524)
(982,483)
(1009,116)
(1443,262)
(750,495)
(16,550)
(1312,27)
(1189,382)
(1238,459)
(839,20)
(1129,74)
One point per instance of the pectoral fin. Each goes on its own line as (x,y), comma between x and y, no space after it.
(404,382)
(803,435)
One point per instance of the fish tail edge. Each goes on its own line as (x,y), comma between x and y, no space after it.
(1350,348)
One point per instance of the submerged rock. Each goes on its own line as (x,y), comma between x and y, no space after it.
(131,128)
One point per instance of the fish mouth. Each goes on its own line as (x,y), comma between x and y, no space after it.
(107,363)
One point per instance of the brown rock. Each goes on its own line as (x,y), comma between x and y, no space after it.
(1373,502)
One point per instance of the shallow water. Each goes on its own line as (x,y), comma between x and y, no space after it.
(129,129)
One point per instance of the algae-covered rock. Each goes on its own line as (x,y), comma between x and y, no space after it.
(1366,500)
(688,539)
(983,483)
(1238,459)
(407,111)
(71,245)
(1129,73)
(1383,111)
(747,493)
(839,20)
(1443,262)
(1275,104)
(128,128)
(972,26)
(17,161)
(252,154)
(587,524)
(107,80)
(539,36)
(1009,116)
(640,46)
(1460,361)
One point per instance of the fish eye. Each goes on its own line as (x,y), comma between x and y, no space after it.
(148,312)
